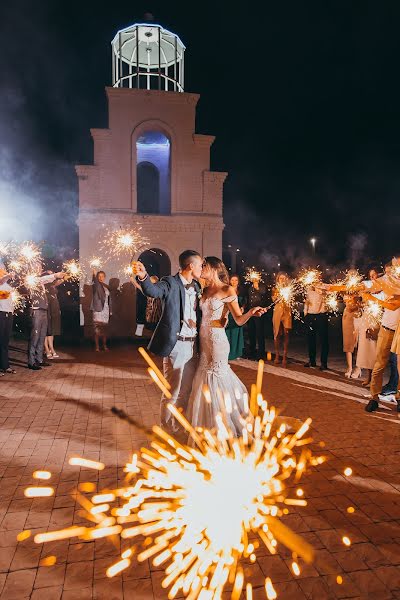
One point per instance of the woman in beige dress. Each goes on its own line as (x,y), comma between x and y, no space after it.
(281,318)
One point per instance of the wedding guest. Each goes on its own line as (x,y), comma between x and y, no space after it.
(234,331)
(390,322)
(367,336)
(101,308)
(392,386)
(351,314)
(53,318)
(6,320)
(153,308)
(39,308)
(255,326)
(316,320)
(281,318)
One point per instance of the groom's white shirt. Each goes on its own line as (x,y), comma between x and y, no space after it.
(189,315)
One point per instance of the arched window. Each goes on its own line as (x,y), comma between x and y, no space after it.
(148,188)
(153,173)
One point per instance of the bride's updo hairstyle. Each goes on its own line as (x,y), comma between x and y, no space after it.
(216,264)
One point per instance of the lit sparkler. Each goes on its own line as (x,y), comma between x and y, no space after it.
(332,302)
(4,248)
(17,299)
(32,282)
(200,509)
(309,277)
(29,253)
(374,313)
(128,271)
(123,241)
(352,280)
(73,269)
(16,266)
(252,275)
(95,262)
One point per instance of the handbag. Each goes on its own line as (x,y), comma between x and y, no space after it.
(372,334)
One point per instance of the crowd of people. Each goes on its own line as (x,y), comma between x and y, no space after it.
(369,345)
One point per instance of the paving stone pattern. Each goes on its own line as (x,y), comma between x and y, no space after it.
(64,410)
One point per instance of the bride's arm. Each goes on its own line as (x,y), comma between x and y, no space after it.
(241,319)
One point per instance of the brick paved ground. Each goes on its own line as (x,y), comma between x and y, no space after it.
(63,410)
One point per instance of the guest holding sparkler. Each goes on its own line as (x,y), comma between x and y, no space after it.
(53,318)
(316,320)
(367,330)
(101,308)
(6,320)
(234,331)
(350,286)
(39,310)
(281,318)
(390,321)
(255,326)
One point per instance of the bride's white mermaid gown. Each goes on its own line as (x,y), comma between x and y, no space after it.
(215,373)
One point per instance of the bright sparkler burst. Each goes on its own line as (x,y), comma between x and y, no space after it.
(309,277)
(73,269)
(32,282)
(17,299)
(252,275)
(29,253)
(374,313)
(123,241)
(95,262)
(332,302)
(351,280)
(201,510)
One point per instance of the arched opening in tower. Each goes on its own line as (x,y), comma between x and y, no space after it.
(153,173)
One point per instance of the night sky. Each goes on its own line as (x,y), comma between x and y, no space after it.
(303,98)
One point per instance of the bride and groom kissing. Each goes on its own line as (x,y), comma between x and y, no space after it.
(191,338)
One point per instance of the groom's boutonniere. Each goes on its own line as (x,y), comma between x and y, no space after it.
(199,291)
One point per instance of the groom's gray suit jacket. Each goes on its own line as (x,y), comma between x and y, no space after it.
(171,291)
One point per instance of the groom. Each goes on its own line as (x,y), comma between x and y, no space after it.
(175,337)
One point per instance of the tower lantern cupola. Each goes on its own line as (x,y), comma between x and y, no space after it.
(147,56)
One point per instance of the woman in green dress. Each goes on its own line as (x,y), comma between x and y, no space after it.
(234,332)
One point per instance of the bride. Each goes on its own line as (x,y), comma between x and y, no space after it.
(226,391)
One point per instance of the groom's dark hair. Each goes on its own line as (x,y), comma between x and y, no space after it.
(186,258)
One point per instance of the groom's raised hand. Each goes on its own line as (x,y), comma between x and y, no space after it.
(139,269)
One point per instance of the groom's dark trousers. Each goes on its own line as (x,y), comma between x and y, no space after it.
(180,355)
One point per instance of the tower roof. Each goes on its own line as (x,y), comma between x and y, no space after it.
(147,49)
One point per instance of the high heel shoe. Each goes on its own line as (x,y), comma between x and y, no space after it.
(348,374)
(356,373)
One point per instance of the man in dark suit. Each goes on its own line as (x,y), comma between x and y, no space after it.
(175,337)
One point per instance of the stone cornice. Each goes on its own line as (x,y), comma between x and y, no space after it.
(168,97)
(203,140)
(100,134)
(170,223)
(215,176)
(85,170)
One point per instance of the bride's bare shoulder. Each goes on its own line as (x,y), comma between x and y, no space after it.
(229,290)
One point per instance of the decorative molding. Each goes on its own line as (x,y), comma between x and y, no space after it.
(157,95)
(205,141)
(100,134)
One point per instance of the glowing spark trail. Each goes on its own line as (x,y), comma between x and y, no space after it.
(73,269)
(374,314)
(309,277)
(332,302)
(123,241)
(252,275)
(29,254)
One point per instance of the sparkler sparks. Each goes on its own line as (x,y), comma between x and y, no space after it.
(309,277)
(73,269)
(29,253)
(32,282)
(352,280)
(95,262)
(374,313)
(252,275)
(175,497)
(123,241)
(17,299)
(332,302)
